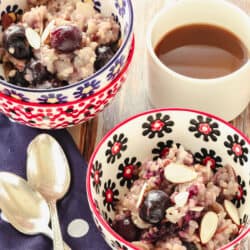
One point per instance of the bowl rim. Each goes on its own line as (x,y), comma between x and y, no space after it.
(57,105)
(91,77)
(103,223)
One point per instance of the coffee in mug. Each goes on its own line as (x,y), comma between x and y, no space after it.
(202,51)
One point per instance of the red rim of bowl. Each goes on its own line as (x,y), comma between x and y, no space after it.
(46,105)
(90,165)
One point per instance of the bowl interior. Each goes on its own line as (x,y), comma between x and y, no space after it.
(121,10)
(148,136)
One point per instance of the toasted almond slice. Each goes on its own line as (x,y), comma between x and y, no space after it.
(139,201)
(196,209)
(33,38)
(178,173)
(209,225)
(181,199)
(47,31)
(232,211)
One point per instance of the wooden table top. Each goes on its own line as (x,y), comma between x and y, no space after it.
(132,99)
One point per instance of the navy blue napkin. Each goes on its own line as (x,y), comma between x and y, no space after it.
(14,139)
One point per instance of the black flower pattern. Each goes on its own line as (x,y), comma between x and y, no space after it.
(158,125)
(97,5)
(128,171)
(106,217)
(118,144)
(240,198)
(96,175)
(205,127)
(237,149)
(10,15)
(110,194)
(118,246)
(208,157)
(162,149)
(244,220)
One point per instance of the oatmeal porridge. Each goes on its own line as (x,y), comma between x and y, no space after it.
(57,42)
(177,205)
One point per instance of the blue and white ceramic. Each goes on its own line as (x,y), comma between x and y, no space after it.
(122,11)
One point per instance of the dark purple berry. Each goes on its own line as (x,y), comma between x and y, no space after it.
(189,245)
(17,78)
(66,38)
(15,42)
(154,206)
(37,73)
(126,228)
(103,55)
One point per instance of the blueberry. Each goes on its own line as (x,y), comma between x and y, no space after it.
(15,42)
(154,206)
(189,245)
(37,72)
(66,38)
(126,228)
(103,54)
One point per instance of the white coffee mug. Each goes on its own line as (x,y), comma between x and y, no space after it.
(225,96)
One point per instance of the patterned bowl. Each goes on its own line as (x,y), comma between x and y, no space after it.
(122,11)
(148,136)
(57,116)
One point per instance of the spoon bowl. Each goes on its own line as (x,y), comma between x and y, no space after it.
(48,172)
(23,207)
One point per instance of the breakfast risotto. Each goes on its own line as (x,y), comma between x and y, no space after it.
(178,205)
(57,42)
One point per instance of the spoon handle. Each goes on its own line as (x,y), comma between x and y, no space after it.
(57,239)
(48,232)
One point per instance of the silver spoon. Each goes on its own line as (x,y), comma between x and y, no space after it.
(48,172)
(25,209)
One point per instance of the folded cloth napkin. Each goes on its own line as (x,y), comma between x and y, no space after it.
(73,208)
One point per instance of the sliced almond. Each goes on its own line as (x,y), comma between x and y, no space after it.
(178,173)
(181,199)
(209,225)
(139,201)
(232,211)
(197,209)
(47,31)
(33,38)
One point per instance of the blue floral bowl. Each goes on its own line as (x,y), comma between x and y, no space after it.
(119,154)
(122,11)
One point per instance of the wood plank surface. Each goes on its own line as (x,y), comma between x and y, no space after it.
(133,97)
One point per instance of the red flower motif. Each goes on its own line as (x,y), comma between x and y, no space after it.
(209,160)
(164,153)
(240,193)
(157,125)
(116,148)
(237,149)
(96,177)
(109,196)
(205,128)
(128,172)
